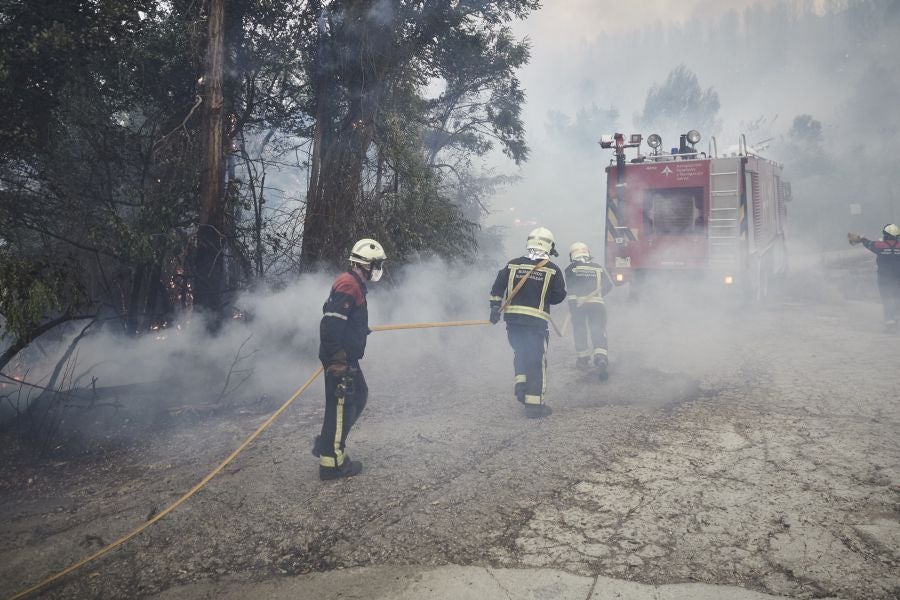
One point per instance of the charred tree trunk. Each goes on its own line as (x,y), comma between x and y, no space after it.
(133,321)
(258,227)
(211,226)
(329,226)
(153,292)
(313,223)
(348,89)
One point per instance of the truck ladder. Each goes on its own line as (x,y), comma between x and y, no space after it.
(724,213)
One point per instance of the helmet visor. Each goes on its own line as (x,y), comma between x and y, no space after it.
(377,270)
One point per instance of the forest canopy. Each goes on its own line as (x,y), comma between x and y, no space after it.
(149,150)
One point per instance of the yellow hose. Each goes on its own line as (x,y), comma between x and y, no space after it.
(429,325)
(177,503)
(138,530)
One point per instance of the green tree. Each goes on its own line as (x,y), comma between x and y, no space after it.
(372,63)
(582,132)
(102,150)
(679,104)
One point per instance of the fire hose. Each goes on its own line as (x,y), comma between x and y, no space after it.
(202,483)
(265,424)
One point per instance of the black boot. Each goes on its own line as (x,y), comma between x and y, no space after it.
(602,367)
(537,411)
(520,392)
(348,469)
(315,449)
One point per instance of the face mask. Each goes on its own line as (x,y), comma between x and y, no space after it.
(376,274)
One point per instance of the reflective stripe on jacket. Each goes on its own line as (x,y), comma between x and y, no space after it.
(587,282)
(345,319)
(531,305)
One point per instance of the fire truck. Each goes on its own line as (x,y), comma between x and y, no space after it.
(690,215)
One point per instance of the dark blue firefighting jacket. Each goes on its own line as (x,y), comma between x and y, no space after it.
(345,320)
(531,304)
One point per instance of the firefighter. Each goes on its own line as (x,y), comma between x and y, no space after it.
(342,332)
(526,314)
(588,283)
(887,259)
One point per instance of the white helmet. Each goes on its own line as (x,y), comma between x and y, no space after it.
(579,250)
(891,231)
(369,253)
(541,239)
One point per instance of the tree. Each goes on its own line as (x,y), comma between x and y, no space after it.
(582,132)
(85,196)
(679,104)
(371,64)
(113,110)
(806,130)
(211,217)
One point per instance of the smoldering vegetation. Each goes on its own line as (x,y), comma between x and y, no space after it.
(110,388)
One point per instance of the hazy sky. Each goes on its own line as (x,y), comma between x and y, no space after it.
(575,62)
(564,31)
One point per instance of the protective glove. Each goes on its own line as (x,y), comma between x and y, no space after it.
(337,365)
(495,315)
(854,238)
(337,369)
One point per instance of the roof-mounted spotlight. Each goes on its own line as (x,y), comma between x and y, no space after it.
(654,141)
(635,139)
(693,136)
(607,140)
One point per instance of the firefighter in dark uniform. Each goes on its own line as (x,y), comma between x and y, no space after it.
(588,283)
(888,262)
(527,313)
(343,331)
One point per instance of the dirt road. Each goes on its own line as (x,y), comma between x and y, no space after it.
(758,448)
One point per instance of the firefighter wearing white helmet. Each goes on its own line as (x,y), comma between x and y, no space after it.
(342,333)
(588,283)
(369,256)
(523,292)
(887,251)
(541,240)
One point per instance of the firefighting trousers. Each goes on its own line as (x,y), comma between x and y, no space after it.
(529,346)
(589,319)
(341,412)
(889,288)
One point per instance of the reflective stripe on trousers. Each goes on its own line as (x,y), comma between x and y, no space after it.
(589,318)
(340,416)
(529,346)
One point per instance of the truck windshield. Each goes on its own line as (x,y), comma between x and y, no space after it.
(673,211)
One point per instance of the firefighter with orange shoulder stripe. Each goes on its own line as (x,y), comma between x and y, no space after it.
(342,333)
(527,313)
(588,283)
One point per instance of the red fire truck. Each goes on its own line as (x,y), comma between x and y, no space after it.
(694,215)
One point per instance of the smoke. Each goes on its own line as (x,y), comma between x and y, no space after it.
(593,64)
(768,62)
(270,352)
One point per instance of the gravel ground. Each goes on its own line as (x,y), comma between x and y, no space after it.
(751,446)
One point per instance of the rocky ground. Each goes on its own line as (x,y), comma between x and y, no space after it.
(748,446)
